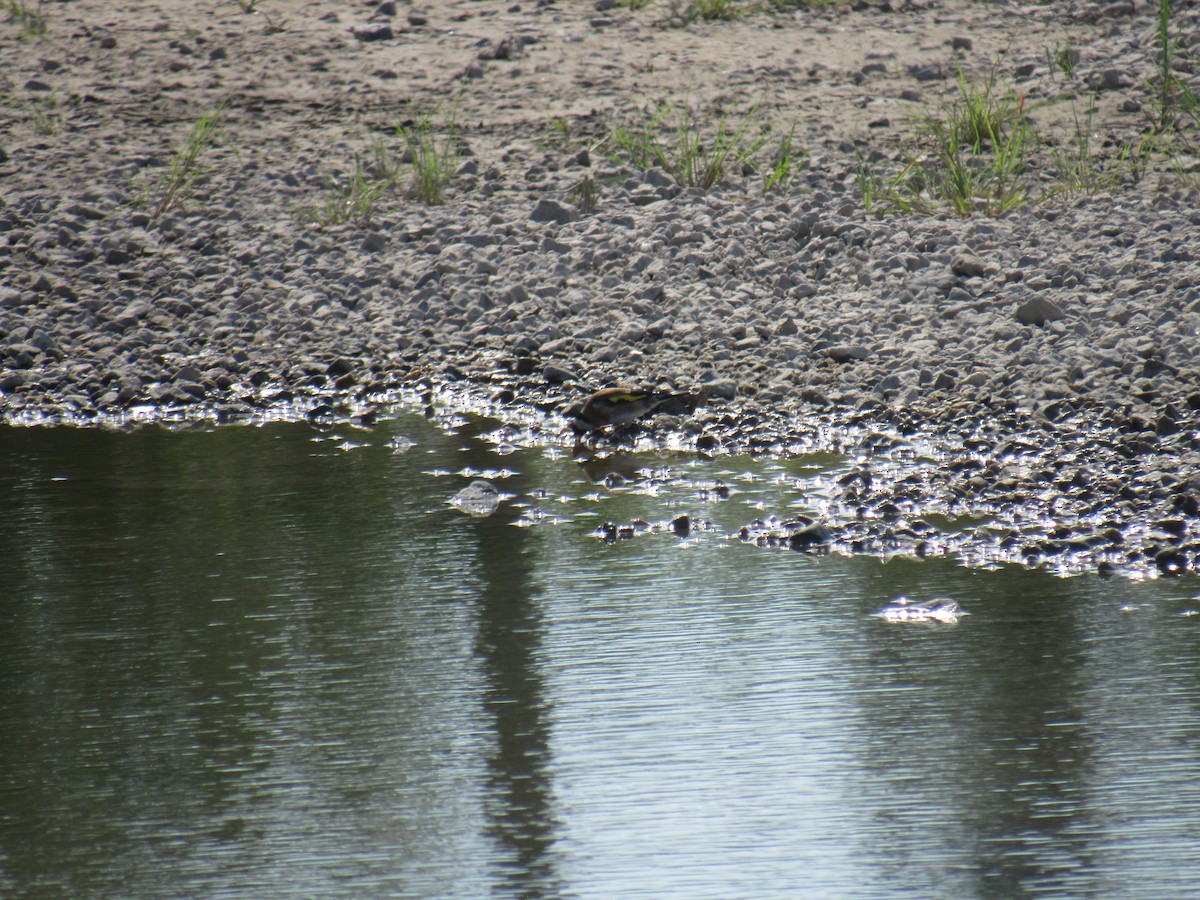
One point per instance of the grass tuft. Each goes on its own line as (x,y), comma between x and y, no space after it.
(349,199)
(974,157)
(687,156)
(175,186)
(433,154)
(25,16)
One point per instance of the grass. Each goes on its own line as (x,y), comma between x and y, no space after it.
(685,12)
(423,171)
(974,157)
(433,154)
(982,153)
(585,194)
(1064,58)
(43,114)
(349,199)
(788,161)
(1079,170)
(1174,98)
(25,16)
(175,186)
(690,158)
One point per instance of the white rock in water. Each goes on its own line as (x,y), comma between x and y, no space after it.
(939,609)
(479,498)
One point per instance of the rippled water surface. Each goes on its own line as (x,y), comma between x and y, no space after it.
(266,661)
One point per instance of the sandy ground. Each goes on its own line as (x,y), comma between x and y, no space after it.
(107,87)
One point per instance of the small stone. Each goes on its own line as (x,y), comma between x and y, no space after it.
(725,389)
(844,353)
(548,210)
(1038,310)
(376,31)
(555,374)
(968,265)
(374,242)
(1109,80)
(961,43)
(927,71)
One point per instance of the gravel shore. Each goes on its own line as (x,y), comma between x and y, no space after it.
(1036,372)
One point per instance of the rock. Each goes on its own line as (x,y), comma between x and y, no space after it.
(548,210)
(374,31)
(724,389)
(812,536)
(844,353)
(479,498)
(555,374)
(928,71)
(1109,80)
(968,265)
(1038,310)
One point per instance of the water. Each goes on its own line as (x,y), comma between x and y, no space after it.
(263,661)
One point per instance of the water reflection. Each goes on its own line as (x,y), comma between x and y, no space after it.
(521,816)
(269,661)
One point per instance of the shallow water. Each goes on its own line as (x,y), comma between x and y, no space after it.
(267,661)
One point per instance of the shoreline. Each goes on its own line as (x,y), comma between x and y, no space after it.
(1045,360)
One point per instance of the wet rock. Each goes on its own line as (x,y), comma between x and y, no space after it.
(557,374)
(812,537)
(479,499)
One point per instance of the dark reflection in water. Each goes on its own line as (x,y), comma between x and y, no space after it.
(269,662)
(520,810)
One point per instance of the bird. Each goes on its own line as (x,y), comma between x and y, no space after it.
(621,406)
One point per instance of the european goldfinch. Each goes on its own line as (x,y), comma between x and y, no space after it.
(617,407)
